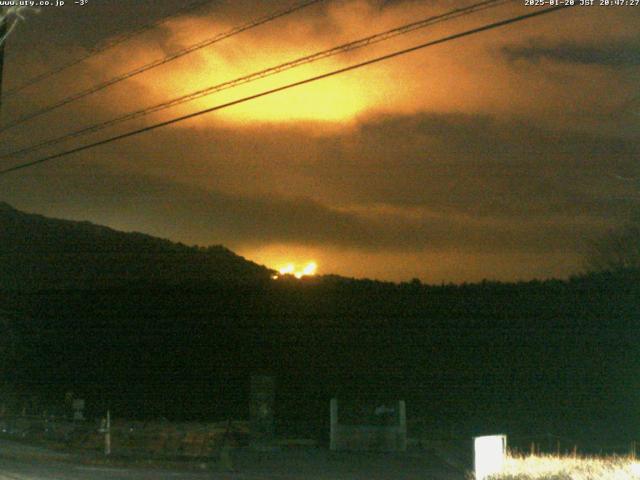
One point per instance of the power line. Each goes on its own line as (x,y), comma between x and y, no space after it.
(107,45)
(288,86)
(363,42)
(156,63)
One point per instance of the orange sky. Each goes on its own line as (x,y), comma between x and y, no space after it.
(493,156)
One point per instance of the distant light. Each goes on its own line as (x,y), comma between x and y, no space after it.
(635,468)
(490,452)
(290,269)
(287,269)
(310,269)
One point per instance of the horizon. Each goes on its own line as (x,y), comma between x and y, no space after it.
(295,274)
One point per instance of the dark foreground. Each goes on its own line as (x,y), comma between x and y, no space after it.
(22,463)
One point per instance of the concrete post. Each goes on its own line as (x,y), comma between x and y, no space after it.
(402,423)
(107,435)
(4,28)
(333,439)
(262,410)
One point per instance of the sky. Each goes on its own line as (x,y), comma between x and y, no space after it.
(497,156)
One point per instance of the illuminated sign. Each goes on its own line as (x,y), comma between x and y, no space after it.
(490,452)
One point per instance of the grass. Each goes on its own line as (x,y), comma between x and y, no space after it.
(553,467)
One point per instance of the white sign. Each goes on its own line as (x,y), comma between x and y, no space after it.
(490,453)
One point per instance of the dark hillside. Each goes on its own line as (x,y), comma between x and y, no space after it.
(39,252)
(529,358)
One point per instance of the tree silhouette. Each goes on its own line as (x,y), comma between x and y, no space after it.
(618,249)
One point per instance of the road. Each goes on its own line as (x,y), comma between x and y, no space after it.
(50,470)
(316,464)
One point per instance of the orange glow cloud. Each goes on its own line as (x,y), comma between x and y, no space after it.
(508,142)
(466,76)
(337,99)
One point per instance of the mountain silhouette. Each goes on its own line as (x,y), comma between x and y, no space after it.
(38,253)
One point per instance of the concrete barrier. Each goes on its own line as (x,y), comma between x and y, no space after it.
(385,438)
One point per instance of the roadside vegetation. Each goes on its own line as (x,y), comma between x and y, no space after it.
(554,467)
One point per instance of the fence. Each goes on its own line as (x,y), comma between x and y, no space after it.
(131,438)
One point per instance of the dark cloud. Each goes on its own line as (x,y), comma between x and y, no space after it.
(429,182)
(479,166)
(396,183)
(195,215)
(616,54)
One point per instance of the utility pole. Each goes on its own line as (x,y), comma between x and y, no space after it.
(6,23)
(4,29)
(105,428)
